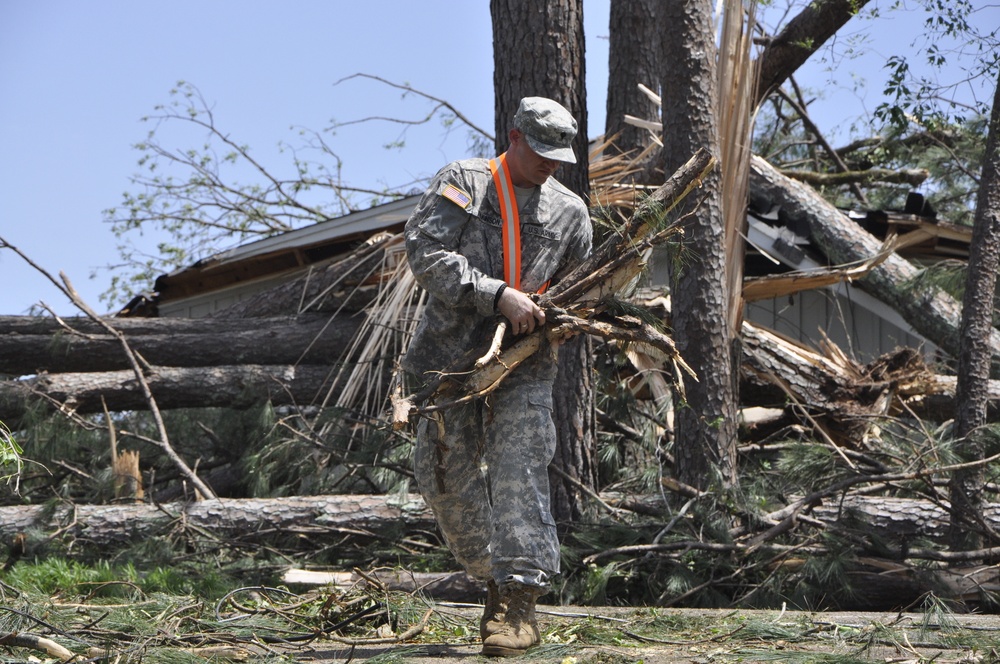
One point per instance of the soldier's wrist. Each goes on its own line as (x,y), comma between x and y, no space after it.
(496,298)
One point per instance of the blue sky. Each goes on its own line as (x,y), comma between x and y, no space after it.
(77,77)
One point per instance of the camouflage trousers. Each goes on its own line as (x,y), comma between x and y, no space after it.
(482,467)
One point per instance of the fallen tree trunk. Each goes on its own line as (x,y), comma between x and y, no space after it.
(30,345)
(830,391)
(318,518)
(321,518)
(931,312)
(172,387)
(774,369)
(897,522)
(886,573)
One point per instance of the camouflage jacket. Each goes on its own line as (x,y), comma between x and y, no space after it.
(453,244)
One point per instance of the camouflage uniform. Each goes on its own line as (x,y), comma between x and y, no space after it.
(497,522)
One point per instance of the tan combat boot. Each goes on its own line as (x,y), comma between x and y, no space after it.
(519,629)
(493,612)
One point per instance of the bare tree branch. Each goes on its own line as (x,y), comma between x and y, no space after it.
(137,368)
(441,103)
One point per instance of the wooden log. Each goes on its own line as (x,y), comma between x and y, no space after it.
(173,387)
(895,521)
(30,344)
(318,518)
(447,586)
(775,368)
(811,377)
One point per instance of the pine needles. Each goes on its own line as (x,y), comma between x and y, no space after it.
(117,614)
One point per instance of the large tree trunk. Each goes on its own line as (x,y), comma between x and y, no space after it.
(705,416)
(770,360)
(931,312)
(538,50)
(633,59)
(845,401)
(974,357)
(845,398)
(31,345)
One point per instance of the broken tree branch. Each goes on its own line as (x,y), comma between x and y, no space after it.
(575,301)
(910,176)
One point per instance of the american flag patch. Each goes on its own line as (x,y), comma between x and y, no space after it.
(457,196)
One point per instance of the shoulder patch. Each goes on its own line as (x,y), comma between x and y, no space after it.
(457,196)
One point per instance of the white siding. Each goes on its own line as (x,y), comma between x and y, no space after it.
(860,332)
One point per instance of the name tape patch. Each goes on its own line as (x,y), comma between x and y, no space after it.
(540,231)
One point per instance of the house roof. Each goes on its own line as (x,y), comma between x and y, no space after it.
(288,252)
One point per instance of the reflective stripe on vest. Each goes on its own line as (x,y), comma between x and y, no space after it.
(511,221)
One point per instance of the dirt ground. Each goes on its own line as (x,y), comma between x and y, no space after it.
(619,635)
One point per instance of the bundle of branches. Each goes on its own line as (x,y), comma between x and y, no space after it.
(580,302)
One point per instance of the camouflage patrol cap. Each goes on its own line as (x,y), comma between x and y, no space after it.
(549,128)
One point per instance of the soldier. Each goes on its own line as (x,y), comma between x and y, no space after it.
(485,235)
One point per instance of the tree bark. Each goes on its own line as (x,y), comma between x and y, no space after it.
(190,387)
(574,469)
(315,519)
(30,345)
(800,38)
(932,313)
(705,415)
(633,59)
(319,520)
(974,351)
(538,50)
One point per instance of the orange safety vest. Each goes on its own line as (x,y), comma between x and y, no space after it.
(511,223)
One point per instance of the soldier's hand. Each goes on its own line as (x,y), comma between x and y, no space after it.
(522,312)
